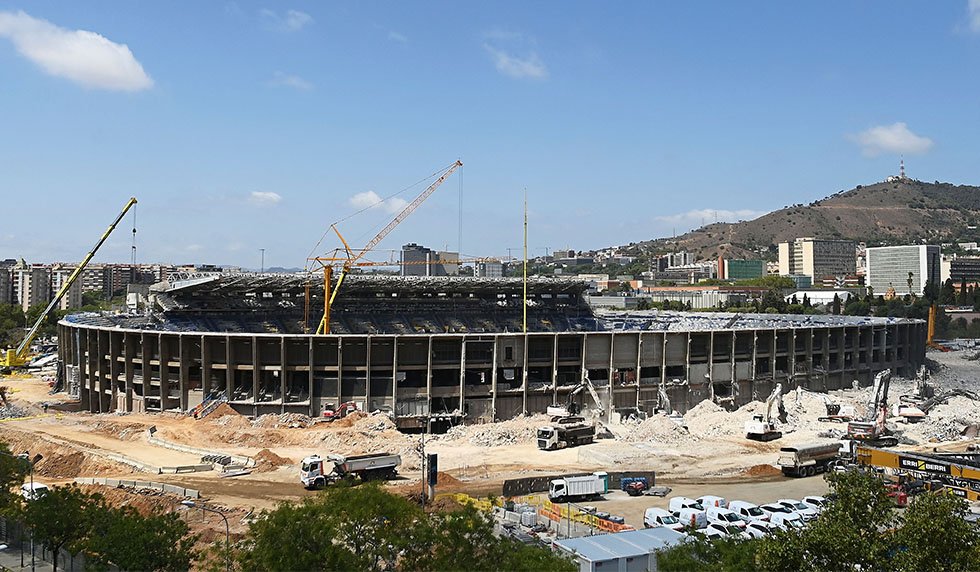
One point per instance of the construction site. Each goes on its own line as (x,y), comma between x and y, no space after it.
(245,390)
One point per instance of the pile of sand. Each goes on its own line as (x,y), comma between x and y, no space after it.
(266,460)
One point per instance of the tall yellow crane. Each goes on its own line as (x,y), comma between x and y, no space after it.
(14,358)
(349,258)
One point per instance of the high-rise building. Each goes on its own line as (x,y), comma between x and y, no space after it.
(31,285)
(898,266)
(418,260)
(6,286)
(733,269)
(490,269)
(817,258)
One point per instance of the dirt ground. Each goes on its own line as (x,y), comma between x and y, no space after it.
(710,455)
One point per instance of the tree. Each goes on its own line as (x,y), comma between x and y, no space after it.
(13,469)
(947,295)
(12,321)
(848,535)
(931,291)
(699,553)
(836,305)
(922,547)
(130,541)
(49,326)
(61,518)
(963,298)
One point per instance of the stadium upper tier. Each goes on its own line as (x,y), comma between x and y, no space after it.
(276,304)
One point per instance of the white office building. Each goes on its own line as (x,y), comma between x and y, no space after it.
(904,268)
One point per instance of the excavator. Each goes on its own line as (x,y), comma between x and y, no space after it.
(763,427)
(872,431)
(16,358)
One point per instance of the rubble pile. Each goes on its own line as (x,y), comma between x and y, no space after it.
(12,412)
(521,429)
(659,428)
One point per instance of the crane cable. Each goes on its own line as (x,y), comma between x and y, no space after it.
(371,206)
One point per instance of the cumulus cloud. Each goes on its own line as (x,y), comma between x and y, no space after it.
(84,57)
(529,66)
(973,15)
(895,138)
(396,37)
(264,199)
(280,79)
(698,216)
(370,199)
(290,21)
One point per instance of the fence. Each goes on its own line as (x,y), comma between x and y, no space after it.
(180,491)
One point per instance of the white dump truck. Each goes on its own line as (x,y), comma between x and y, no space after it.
(578,488)
(565,432)
(316,472)
(808,460)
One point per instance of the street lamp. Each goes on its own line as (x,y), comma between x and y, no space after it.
(192,504)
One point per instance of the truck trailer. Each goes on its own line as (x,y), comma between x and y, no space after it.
(584,487)
(565,432)
(316,472)
(808,460)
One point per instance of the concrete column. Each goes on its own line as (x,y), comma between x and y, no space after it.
(282,373)
(792,358)
(205,367)
(367,373)
(663,359)
(100,372)
(130,353)
(462,373)
(428,381)
(825,350)
(734,377)
(229,369)
(554,369)
(340,370)
(753,370)
(493,381)
(639,352)
(256,364)
(184,350)
(775,344)
(394,374)
(611,388)
(309,392)
(115,339)
(164,346)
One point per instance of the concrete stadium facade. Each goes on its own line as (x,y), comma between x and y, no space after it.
(479,376)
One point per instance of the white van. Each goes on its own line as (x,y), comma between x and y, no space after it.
(787,521)
(692,517)
(677,503)
(654,517)
(712,500)
(38,491)
(806,511)
(748,512)
(723,516)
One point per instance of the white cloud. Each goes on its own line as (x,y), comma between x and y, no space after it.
(895,138)
(280,79)
(291,21)
(396,37)
(973,14)
(264,199)
(529,66)
(370,199)
(706,216)
(83,57)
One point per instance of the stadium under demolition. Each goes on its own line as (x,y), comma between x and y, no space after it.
(451,350)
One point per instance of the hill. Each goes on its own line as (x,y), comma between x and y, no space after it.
(898,211)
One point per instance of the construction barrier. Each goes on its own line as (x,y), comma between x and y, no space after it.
(546,508)
(163,487)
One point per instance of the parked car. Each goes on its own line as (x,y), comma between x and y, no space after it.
(38,490)
(787,520)
(817,503)
(808,513)
(677,503)
(712,500)
(774,508)
(729,530)
(654,517)
(760,528)
(747,511)
(724,516)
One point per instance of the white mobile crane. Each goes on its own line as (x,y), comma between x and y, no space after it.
(763,427)
(19,357)
(872,430)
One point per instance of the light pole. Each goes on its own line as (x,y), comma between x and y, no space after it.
(192,504)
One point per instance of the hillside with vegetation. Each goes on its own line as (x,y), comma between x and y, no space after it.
(899,211)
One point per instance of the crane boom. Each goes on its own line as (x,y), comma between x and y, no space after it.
(16,357)
(408,210)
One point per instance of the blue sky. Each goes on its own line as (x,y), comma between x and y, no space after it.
(244,125)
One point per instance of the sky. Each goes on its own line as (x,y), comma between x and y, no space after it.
(243,126)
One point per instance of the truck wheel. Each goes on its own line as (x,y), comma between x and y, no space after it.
(318,483)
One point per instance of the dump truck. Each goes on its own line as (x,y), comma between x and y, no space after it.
(316,472)
(566,489)
(808,460)
(565,432)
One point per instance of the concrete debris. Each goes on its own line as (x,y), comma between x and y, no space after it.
(521,429)
(12,412)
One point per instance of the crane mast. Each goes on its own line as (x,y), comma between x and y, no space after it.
(18,357)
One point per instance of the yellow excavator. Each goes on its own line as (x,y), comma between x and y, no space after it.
(14,358)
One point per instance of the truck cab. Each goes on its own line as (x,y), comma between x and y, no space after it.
(311,472)
(547,438)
